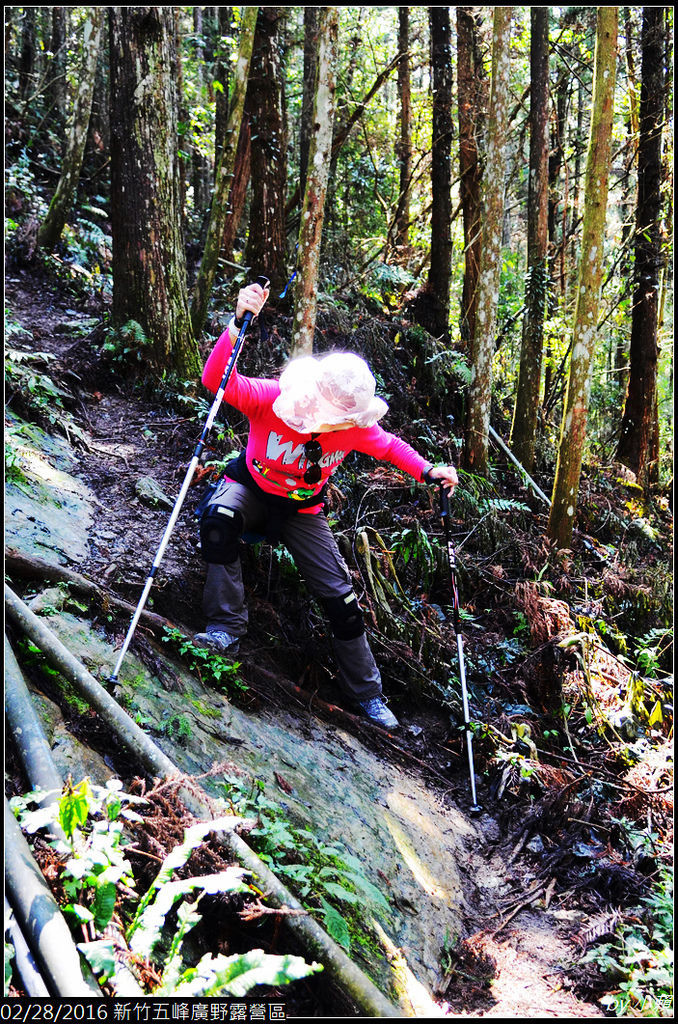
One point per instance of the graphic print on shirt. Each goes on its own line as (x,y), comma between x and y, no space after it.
(287,452)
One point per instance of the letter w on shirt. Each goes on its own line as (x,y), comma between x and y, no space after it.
(276,447)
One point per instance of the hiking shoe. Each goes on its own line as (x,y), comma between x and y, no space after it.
(377,712)
(218,640)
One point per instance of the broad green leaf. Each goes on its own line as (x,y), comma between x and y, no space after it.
(237,975)
(335,924)
(99,956)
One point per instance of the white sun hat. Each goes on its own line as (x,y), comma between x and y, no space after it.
(328,390)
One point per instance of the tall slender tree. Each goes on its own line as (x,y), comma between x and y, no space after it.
(524,427)
(480,391)
(404,145)
(64,196)
(224,177)
(313,210)
(440,273)
(308,90)
(635,441)
(149,266)
(265,107)
(585,328)
(470,81)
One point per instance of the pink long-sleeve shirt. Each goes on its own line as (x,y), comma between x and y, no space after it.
(275,452)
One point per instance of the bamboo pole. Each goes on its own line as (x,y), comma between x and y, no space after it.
(347,975)
(33,748)
(507,451)
(23,958)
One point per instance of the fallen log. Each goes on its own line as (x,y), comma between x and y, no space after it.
(347,975)
(29,567)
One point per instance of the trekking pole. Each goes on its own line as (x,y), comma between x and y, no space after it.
(452,560)
(264,282)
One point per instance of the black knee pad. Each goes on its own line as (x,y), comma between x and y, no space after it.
(346,618)
(220,532)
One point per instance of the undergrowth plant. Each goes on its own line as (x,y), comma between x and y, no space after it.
(97,877)
(210,667)
(325,876)
(639,960)
(91,820)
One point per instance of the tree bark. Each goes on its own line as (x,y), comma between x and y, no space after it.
(310,231)
(524,428)
(149,263)
(404,146)
(222,76)
(265,106)
(310,71)
(201,172)
(58,63)
(469,84)
(27,54)
(50,230)
(635,441)
(224,177)
(440,273)
(575,412)
(480,391)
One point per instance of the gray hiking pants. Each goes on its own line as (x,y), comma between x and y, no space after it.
(310,541)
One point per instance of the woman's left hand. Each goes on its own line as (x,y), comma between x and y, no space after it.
(446,475)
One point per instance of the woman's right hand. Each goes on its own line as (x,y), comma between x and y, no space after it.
(251,299)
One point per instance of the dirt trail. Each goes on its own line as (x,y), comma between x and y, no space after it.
(517,971)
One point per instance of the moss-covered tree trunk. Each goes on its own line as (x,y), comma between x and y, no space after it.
(50,230)
(440,273)
(635,441)
(312,215)
(224,175)
(265,105)
(480,391)
(524,427)
(149,266)
(585,329)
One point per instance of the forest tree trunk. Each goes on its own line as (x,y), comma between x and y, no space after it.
(224,176)
(524,427)
(308,93)
(57,83)
(223,77)
(149,265)
(480,391)
(404,145)
(50,230)
(469,85)
(440,273)
(313,210)
(27,54)
(585,329)
(635,441)
(265,105)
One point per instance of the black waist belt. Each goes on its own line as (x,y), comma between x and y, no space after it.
(281,507)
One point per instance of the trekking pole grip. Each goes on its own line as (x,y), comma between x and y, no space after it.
(264,283)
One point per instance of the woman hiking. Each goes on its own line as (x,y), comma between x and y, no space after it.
(301,428)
